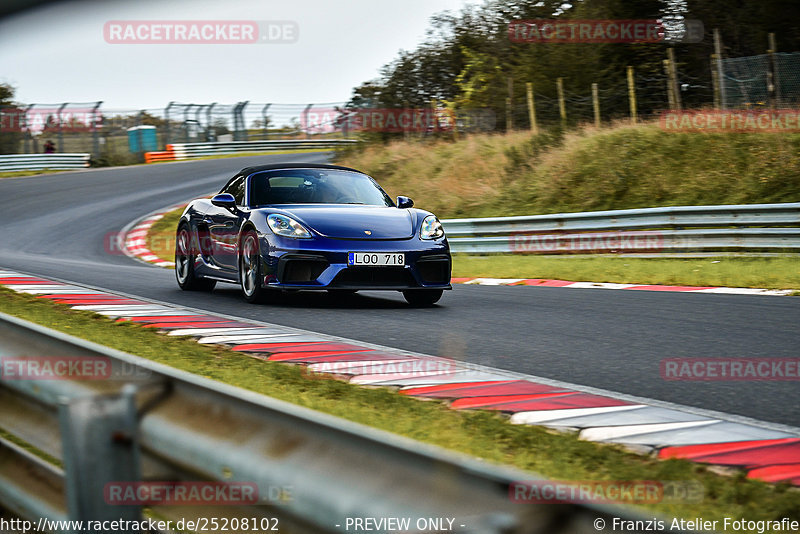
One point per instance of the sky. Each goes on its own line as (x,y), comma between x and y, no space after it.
(59,52)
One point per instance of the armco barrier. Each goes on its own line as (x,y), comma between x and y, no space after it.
(312,471)
(37,162)
(678,230)
(182,151)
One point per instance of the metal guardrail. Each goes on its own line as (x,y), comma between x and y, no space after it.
(36,162)
(182,151)
(679,230)
(151,422)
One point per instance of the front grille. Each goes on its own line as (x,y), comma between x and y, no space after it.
(434,269)
(374,277)
(301,270)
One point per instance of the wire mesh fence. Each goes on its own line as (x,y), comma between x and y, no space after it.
(119,136)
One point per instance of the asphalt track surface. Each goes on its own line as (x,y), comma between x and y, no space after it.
(56,226)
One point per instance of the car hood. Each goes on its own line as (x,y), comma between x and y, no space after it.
(341,221)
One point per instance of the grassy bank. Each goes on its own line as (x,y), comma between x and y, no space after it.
(585,170)
(770,273)
(482,434)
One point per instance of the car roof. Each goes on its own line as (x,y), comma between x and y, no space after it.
(247,171)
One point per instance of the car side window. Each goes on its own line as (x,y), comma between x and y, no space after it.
(236,188)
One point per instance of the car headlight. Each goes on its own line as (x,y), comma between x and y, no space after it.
(431,228)
(287,227)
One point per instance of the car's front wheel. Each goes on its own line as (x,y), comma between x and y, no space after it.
(250,269)
(420,298)
(185,254)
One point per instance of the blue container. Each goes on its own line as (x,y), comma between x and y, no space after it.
(142,139)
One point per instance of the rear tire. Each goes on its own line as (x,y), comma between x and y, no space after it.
(185,253)
(422,298)
(250,270)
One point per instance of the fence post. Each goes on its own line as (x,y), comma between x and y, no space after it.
(562,108)
(61,127)
(673,75)
(95,131)
(531,108)
(670,92)
(720,75)
(244,136)
(631,95)
(715,80)
(28,136)
(305,119)
(265,117)
(596,105)
(510,104)
(772,75)
(211,134)
(167,131)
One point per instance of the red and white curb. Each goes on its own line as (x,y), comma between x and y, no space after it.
(132,239)
(766,451)
(544,282)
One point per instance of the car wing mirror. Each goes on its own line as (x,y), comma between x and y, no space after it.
(224,200)
(404,202)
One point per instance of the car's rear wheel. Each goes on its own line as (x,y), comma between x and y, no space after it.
(185,254)
(420,298)
(250,270)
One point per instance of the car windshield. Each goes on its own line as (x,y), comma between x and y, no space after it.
(315,186)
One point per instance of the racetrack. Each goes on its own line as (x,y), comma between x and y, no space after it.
(56,226)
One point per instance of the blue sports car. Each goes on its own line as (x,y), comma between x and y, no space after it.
(310,226)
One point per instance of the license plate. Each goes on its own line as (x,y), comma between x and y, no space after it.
(376,259)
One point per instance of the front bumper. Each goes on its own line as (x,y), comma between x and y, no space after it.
(322,264)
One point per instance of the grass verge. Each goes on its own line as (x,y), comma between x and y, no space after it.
(16,174)
(481,434)
(769,273)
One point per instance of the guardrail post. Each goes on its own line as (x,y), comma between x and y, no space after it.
(101,446)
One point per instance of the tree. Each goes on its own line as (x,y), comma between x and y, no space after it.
(10,116)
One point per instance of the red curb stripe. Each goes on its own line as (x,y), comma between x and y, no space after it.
(194,324)
(517,387)
(424,391)
(164,318)
(28,282)
(544,282)
(776,473)
(572,400)
(781,453)
(460,280)
(497,400)
(311,346)
(364,356)
(286,356)
(690,452)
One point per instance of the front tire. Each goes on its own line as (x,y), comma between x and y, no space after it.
(422,298)
(185,253)
(250,270)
